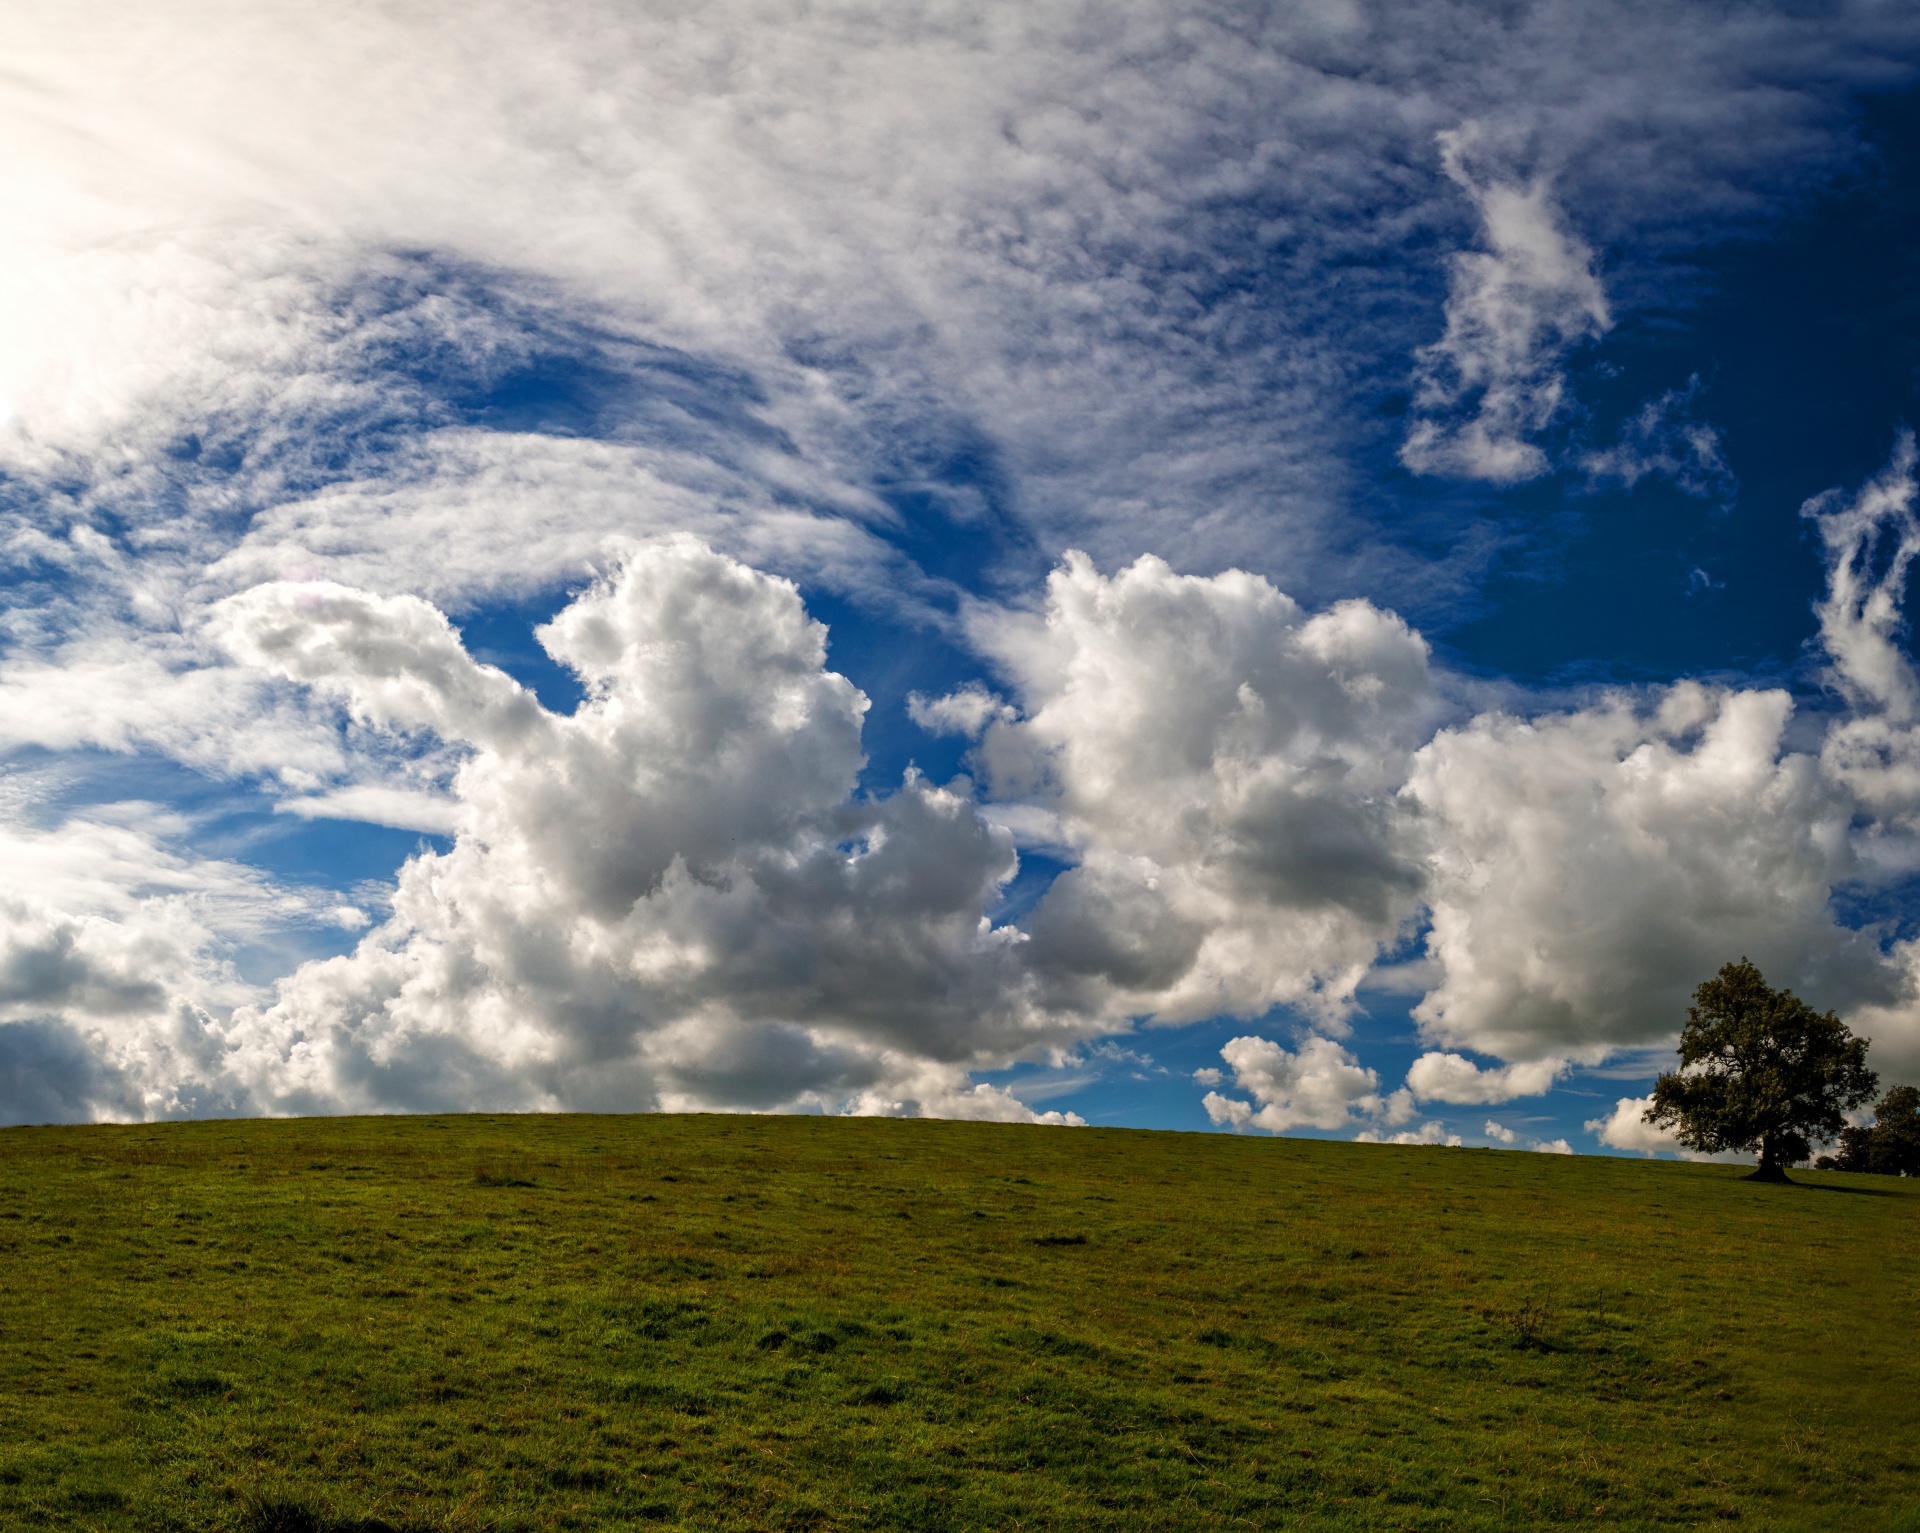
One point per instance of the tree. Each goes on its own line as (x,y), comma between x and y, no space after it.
(1891,1145)
(1856,1152)
(1896,1133)
(1760,1070)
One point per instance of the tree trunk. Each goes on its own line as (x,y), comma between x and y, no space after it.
(1770,1168)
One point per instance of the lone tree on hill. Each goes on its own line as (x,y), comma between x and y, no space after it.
(1761,1070)
(1891,1146)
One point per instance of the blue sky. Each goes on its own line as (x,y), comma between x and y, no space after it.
(1172,565)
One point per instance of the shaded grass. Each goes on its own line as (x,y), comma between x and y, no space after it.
(592,1322)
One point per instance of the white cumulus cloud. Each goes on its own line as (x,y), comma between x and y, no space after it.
(966,712)
(1626,1128)
(119,963)
(672,896)
(1440,1077)
(1427,1133)
(1589,868)
(1223,763)
(1317,1085)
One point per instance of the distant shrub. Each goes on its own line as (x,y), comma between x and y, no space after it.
(1526,1322)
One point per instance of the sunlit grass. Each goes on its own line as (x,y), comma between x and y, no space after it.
(591,1322)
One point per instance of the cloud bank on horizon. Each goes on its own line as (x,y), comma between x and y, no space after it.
(1137,378)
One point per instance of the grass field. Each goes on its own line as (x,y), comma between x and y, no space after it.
(723,1322)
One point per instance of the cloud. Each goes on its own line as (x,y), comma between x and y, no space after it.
(1318,1085)
(1499,1131)
(323,328)
(937,1096)
(1663,439)
(1222,765)
(396,660)
(1870,541)
(371,804)
(1515,310)
(1626,1128)
(1438,1077)
(721,919)
(1427,1133)
(677,895)
(1552,1147)
(1589,868)
(966,712)
(118,970)
(1133,263)
(671,897)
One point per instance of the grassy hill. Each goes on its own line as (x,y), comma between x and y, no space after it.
(719,1322)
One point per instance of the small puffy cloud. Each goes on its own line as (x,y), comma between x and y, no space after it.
(1208,1076)
(1626,1128)
(1427,1133)
(1319,1085)
(966,712)
(1494,380)
(1438,1077)
(1499,1131)
(1552,1147)
(937,1096)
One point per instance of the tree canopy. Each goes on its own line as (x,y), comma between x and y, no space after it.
(1890,1145)
(1760,1071)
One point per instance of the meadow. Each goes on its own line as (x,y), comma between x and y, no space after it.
(322,1326)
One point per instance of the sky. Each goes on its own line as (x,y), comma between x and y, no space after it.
(1305,569)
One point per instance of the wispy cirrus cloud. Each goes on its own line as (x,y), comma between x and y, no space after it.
(1515,310)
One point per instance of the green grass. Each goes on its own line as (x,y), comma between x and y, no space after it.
(763,1323)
